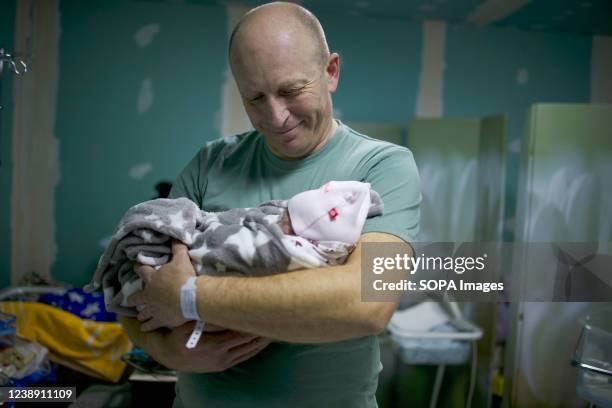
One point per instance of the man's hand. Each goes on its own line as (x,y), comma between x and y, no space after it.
(159,301)
(216,351)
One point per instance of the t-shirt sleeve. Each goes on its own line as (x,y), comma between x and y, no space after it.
(192,181)
(189,182)
(396,178)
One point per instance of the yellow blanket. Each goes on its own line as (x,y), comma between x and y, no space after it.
(88,346)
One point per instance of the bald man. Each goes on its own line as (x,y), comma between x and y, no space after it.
(325,351)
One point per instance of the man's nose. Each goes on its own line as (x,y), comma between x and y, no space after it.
(277,113)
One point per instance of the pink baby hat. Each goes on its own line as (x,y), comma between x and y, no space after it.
(334,212)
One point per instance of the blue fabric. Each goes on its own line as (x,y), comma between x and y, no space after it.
(78,302)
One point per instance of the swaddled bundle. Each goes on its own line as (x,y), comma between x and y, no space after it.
(313,229)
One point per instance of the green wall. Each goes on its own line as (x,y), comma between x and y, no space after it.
(104,75)
(380,67)
(7,29)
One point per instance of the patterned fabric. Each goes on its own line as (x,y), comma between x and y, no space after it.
(242,241)
(80,303)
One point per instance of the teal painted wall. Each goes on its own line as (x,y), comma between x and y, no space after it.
(380,67)
(7,37)
(481,79)
(101,134)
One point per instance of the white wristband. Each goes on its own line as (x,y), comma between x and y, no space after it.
(188,300)
(190,310)
(195,335)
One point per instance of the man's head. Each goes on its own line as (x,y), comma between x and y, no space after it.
(285,74)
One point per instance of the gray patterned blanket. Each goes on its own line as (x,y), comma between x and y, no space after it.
(241,241)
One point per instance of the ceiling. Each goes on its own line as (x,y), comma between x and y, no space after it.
(574,16)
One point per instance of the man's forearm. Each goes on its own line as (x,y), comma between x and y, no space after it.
(310,306)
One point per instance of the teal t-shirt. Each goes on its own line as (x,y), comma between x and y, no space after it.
(242,172)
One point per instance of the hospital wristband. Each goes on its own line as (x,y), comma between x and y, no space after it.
(195,334)
(189,309)
(188,300)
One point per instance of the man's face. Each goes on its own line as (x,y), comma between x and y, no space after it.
(286,90)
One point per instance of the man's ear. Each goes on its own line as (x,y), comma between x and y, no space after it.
(333,71)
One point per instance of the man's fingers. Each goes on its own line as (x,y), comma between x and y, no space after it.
(229,340)
(179,250)
(136,299)
(213,328)
(246,347)
(248,350)
(144,271)
(249,355)
(143,315)
(150,325)
(187,327)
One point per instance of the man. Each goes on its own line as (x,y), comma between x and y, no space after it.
(326,351)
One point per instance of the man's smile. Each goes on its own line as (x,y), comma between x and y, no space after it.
(288,131)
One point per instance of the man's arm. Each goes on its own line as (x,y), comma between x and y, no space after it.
(306,306)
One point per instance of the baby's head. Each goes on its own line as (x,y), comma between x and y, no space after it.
(334,212)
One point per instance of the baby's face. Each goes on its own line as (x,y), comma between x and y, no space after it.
(285,224)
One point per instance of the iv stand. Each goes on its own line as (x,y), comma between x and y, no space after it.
(17,66)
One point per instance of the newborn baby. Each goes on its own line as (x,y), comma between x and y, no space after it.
(334,212)
(314,228)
